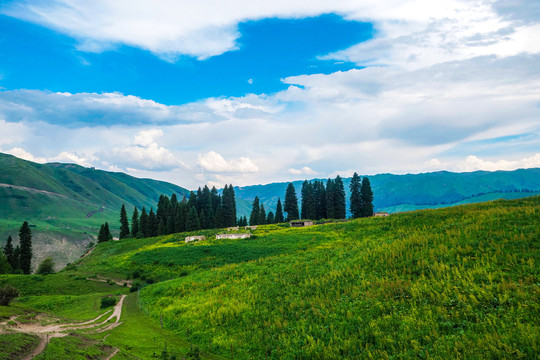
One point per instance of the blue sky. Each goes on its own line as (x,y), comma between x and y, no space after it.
(249,92)
(268,50)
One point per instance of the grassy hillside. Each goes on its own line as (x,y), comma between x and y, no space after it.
(456,283)
(394,193)
(56,199)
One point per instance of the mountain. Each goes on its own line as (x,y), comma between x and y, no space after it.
(397,193)
(65,203)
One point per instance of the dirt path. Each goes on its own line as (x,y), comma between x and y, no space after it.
(47,332)
(112,354)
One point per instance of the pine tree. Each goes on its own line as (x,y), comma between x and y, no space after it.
(270,219)
(218,217)
(135,222)
(8,251)
(309,206)
(320,199)
(25,241)
(367,198)
(192,221)
(108,234)
(16,259)
(101,236)
(152,223)
(291,203)
(255,208)
(340,209)
(262,215)
(229,206)
(124,225)
(143,222)
(355,199)
(279,212)
(330,199)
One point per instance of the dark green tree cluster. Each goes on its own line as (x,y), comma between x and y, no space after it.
(291,203)
(361,197)
(313,201)
(18,259)
(104,233)
(260,217)
(318,201)
(203,209)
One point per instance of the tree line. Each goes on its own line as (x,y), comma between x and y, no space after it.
(204,209)
(318,201)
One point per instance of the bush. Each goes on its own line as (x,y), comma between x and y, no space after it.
(107,301)
(7,293)
(136,285)
(46,267)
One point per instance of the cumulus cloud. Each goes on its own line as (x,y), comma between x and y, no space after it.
(25,155)
(473,163)
(73,158)
(214,162)
(143,154)
(303,171)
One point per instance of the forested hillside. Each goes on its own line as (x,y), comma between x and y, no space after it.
(65,203)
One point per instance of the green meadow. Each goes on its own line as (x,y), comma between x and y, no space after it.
(453,283)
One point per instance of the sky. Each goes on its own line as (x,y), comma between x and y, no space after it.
(253,92)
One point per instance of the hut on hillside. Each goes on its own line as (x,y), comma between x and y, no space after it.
(301,223)
(233,236)
(194,238)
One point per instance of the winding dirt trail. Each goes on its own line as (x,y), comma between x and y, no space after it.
(47,332)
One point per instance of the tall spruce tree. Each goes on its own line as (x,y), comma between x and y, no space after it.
(340,209)
(108,234)
(229,206)
(270,219)
(320,197)
(16,259)
(143,222)
(262,215)
(25,241)
(330,199)
(291,203)
(356,206)
(255,208)
(8,251)
(309,204)
(279,212)
(367,198)
(124,225)
(135,223)
(101,236)
(152,223)
(192,221)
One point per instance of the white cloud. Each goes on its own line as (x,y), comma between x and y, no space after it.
(303,171)
(68,157)
(25,155)
(214,162)
(473,163)
(12,132)
(147,137)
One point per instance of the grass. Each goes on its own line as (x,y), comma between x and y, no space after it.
(452,283)
(74,347)
(14,346)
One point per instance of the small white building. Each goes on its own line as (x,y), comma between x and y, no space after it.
(194,238)
(381,214)
(301,223)
(233,236)
(233,228)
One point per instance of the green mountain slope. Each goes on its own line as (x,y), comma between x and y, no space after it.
(420,191)
(452,283)
(67,203)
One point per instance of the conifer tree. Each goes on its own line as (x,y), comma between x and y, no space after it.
(270,219)
(320,199)
(5,266)
(291,203)
(367,198)
(355,199)
(180,217)
(229,206)
(340,209)
(218,217)
(279,213)
(16,259)
(124,225)
(143,222)
(255,208)
(192,221)
(135,222)
(8,251)
(262,215)
(330,199)
(152,223)
(309,205)
(108,234)
(25,241)
(101,236)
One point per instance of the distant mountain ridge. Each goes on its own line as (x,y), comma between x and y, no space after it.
(395,193)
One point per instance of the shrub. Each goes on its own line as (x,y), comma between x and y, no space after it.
(107,301)
(7,293)
(46,267)
(136,285)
